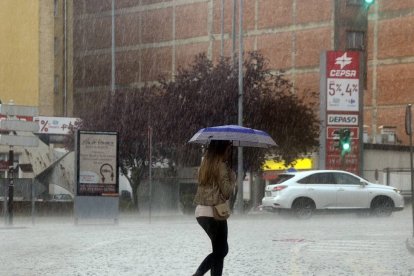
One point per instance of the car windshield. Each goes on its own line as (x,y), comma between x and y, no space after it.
(281,178)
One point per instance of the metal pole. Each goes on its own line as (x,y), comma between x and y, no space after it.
(411,159)
(33,201)
(5,191)
(233,34)
(113,49)
(65,58)
(240,173)
(222,29)
(11,187)
(150,167)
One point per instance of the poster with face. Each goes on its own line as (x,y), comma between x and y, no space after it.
(97,163)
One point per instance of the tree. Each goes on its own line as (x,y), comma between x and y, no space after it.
(205,94)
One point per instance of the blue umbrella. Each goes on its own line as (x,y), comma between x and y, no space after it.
(238,135)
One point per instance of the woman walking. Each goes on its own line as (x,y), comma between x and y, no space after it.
(216,182)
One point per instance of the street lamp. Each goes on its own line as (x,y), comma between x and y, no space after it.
(240,173)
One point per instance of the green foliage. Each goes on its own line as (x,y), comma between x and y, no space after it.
(206,94)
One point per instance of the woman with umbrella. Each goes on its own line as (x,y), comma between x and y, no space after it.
(216,182)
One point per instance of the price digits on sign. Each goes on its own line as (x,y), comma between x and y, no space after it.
(342,88)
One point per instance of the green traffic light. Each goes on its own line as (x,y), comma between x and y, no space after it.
(346,146)
(345,141)
(369,2)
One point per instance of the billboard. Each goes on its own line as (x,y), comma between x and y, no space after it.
(341,99)
(97,163)
(57,125)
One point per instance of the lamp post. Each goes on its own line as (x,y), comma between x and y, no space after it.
(240,173)
(113,87)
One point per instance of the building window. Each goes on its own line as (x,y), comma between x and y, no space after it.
(355,41)
(56,84)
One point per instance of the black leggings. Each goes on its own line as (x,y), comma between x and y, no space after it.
(217,231)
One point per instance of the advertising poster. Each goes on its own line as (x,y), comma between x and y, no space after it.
(97,164)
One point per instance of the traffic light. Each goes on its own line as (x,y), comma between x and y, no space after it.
(345,141)
(368,3)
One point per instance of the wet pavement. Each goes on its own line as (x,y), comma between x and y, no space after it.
(260,244)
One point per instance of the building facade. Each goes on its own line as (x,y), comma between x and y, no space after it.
(150,38)
(35,69)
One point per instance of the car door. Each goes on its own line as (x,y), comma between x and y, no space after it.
(321,188)
(351,193)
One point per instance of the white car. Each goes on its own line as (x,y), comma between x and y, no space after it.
(307,191)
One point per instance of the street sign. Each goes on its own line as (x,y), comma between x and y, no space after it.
(12,124)
(21,110)
(343,119)
(57,125)
(18,118)
(18,125)
(24,141)
(331,130)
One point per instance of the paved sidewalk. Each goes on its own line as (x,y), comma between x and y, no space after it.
(260,244)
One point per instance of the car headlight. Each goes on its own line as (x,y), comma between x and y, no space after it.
(397,191)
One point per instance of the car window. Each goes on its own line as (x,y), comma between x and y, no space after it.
(281,178)
(343,178)
(318,178)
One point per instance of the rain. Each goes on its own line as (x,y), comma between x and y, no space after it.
(99,101)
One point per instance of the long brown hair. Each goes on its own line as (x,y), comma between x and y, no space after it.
(209,170)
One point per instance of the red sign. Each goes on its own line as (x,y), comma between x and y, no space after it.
(349,163)
(331,132)
(22,118)
(331,148)
(342,65)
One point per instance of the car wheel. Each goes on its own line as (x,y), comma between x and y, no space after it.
(382,207)
(303,208)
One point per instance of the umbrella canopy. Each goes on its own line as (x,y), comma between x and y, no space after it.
(238,135)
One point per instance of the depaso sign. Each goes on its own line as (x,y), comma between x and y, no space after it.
(343,119)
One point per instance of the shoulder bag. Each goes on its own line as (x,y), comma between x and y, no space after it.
(221,211)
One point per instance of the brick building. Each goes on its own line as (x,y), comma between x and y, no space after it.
(134,41)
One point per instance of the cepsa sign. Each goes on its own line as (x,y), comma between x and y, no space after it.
(343,64)
(342,75)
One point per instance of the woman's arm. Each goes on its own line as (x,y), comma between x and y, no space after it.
(227,180)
